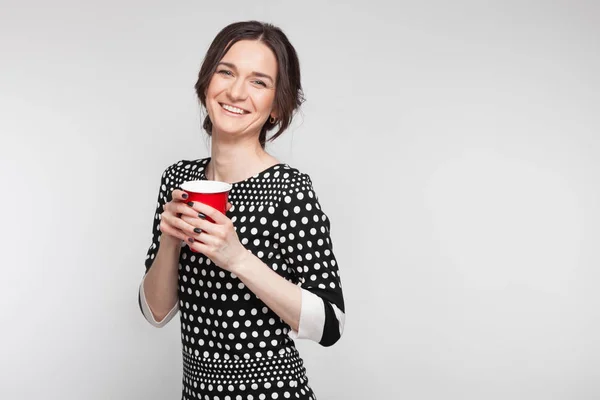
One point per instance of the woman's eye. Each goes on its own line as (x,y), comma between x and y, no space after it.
(224,72)
(261,83)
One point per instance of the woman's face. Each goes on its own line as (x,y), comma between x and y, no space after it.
(240,95)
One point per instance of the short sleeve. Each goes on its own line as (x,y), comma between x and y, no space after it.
(306,243)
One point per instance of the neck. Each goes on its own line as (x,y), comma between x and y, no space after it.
(236,160)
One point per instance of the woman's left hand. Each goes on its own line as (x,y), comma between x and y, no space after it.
(219,240)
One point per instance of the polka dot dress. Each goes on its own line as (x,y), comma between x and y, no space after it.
(234,346)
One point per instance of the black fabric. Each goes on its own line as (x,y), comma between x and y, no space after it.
(224,326)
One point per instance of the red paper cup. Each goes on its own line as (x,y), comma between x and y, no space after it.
(212,193)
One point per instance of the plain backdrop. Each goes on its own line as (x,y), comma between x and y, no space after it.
(455,147)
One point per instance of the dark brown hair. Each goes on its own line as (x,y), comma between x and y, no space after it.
(288,89)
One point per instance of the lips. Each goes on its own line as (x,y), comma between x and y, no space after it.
(234,109)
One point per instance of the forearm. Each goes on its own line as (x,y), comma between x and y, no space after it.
(160,283)
(279,294)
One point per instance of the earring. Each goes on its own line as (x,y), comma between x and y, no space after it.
(272,120)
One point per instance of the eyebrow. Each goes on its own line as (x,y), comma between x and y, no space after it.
(255,73)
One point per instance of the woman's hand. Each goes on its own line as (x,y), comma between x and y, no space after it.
(171,223)
(218,241)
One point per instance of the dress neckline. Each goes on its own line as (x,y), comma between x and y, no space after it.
(257,175)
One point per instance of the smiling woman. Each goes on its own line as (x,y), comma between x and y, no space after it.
(251,281)
(256,68)
(239,99)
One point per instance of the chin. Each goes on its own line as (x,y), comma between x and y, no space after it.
(233,128)
(229,129)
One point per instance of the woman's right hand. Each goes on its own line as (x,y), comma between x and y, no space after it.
(171,222)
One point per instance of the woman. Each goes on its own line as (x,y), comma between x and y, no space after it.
(264,273)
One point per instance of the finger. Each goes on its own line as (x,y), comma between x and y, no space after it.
(201,247)
(167,229)
(178,224)
(179,195)
(209,211)
(199,223)
(228,207)
(205,239)
(178,208)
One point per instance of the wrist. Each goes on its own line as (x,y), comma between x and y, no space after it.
(170,243)
(238,263)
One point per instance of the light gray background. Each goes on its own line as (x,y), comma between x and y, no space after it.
(454,145)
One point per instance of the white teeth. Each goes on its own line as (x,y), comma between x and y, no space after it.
(232,109)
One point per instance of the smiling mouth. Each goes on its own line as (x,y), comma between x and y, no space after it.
(234,110)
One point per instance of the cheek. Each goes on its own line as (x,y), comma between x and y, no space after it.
(265,101)
(215,86)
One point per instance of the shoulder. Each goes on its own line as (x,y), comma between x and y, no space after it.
(185,169)
(297,187)
(300,205)
(295,180)
(177,173)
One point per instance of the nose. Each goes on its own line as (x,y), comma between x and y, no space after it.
(237,90)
